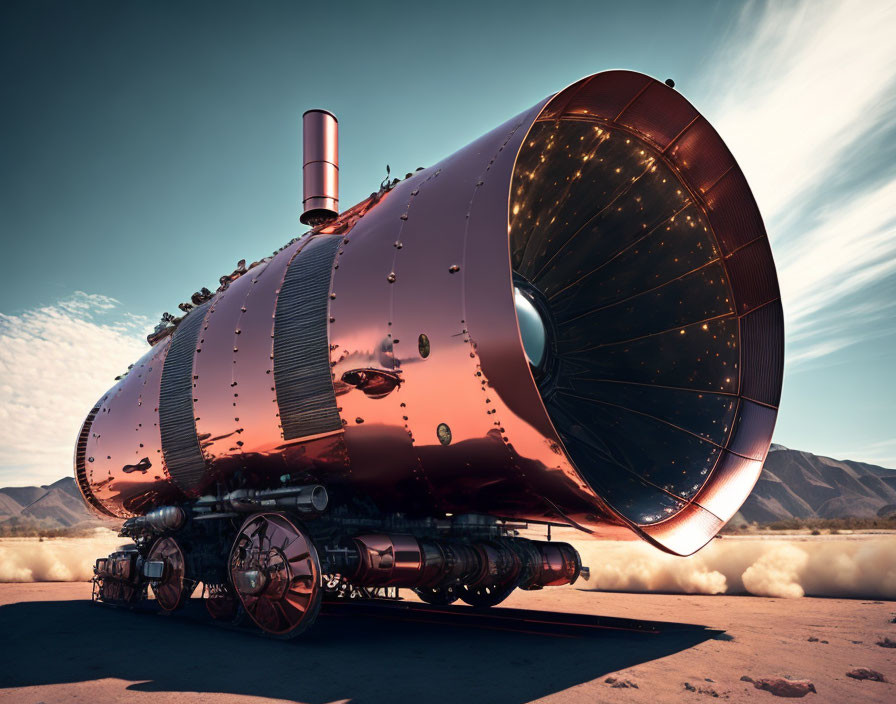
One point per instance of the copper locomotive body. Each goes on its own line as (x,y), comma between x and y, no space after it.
(573,320)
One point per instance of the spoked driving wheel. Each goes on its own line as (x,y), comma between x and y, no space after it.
(276,574)
(172,590)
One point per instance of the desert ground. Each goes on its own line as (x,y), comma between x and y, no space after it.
(653,647)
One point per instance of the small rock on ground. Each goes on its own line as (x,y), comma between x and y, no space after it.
(620,684)
(781,687)
(700,689)
(866,673)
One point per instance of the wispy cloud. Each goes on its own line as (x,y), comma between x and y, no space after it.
(804,94)
(880,453)
(55,362)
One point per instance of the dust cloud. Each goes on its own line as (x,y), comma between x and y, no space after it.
(859,566)
(848,566)
(54,559)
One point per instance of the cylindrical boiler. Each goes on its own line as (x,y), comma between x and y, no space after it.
(574,319)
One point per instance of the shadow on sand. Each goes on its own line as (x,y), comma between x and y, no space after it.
(360,655)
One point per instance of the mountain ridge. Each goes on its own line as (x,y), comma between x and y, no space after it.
(799,484)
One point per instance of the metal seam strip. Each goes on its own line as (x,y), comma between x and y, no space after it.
(302,378)
(80,462)
(177,419)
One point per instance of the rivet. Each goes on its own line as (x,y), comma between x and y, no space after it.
(454,268)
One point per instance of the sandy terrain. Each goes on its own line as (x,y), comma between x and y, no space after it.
(60,648)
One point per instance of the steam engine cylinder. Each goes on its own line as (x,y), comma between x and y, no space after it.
(390,560)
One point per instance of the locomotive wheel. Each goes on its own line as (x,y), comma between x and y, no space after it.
(487,595)
(276,574)
(223,604)
(441,595)
(171,591)
(502,569)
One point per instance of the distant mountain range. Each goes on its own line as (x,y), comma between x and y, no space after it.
(797,484)
(54,506)
(793,484)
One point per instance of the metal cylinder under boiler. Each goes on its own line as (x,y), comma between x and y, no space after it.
(397,560)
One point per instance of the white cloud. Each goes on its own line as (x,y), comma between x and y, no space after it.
(801,92)
(55,362)
(881,453)
(806,85)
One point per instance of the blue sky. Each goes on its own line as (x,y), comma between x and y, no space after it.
(146,147)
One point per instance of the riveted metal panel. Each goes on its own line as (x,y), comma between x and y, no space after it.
(218,426)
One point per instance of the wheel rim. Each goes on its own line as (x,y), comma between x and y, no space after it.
(223,604)
(169,591)
(439,596)
(495,586)
(276,574)
(486,595)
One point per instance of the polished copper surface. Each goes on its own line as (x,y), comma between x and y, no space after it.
(320,167)
(387,560)
(559,564)
(125,468)
(441,412)
(222,603)
(117,577)
(170,591)
(285,596)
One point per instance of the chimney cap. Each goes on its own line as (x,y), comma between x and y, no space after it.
(325,112)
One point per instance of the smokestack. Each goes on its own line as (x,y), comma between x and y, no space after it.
(320,167)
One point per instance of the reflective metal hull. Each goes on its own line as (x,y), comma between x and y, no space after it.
(404,309)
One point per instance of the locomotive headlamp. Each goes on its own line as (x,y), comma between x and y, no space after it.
(532,328)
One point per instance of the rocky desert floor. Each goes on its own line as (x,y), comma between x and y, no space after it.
(646,648)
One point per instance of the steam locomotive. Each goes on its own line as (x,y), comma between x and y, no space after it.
(575,320)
